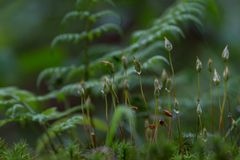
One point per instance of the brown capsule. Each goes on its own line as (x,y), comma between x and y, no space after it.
(167,113)
(162,122)
(152,126)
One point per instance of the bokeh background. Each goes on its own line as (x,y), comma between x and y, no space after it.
(27,28)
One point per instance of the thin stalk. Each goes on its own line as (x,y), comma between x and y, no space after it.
(212,107)
(115,101)
(126,97)
(200,126)
(156,117)
(142,93)
(93,139)
(219,103)
(198,86)
(106,106)
(171,64)
(179,134)
(86,128)
(200,123)
(170,119)
(174,96)
(223,107)
(125,90)
(114,95)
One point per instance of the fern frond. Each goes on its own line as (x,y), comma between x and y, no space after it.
(154,60)
(79,2)
(90,36)
(66,124)
(57,72)
(169,24)
(85,15)
(13,92)
(183,12)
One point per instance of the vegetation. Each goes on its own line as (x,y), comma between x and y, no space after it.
(124,102)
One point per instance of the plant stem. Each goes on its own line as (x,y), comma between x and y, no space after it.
(113,101)
(212,107)
(125,91)
(179,134)
(93,139)
(170,119)
(142,93)
(198,85)
(156,117)
(106,106)
(174,96)
(200,127)
(171,64)
(126,97)
(222,107)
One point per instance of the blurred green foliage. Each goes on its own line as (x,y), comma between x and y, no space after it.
(27,28)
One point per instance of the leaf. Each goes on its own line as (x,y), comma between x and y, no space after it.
(118,115)
(85,15)
(95,33)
